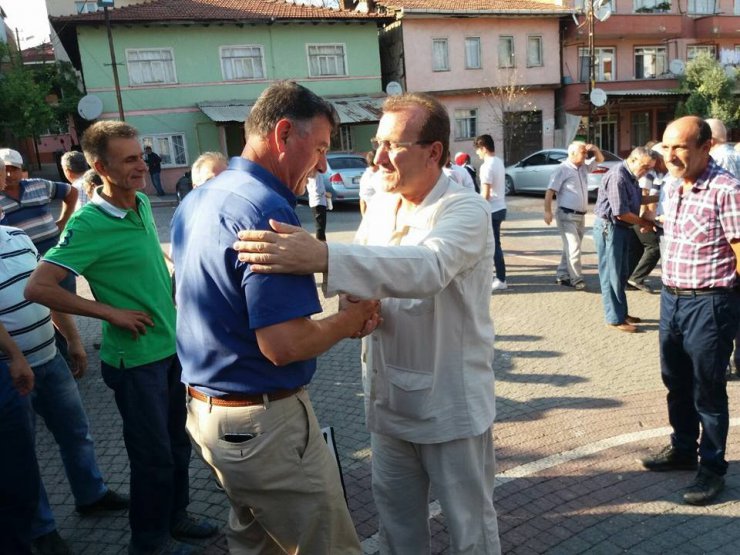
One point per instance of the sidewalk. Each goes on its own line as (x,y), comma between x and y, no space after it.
(578,405)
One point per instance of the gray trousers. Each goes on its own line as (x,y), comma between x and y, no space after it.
(571,228)
(461,473)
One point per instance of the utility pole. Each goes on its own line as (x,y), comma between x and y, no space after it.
(592,71)
(113,64)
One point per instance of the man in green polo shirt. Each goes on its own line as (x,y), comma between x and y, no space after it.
(112,241)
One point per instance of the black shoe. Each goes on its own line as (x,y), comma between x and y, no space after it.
(705,488)
(111,501)
(50,544)
(187,527)
(670,459)
(563,281)
(641,285)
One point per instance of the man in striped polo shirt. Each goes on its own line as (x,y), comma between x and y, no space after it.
(699,306)
(55,396)
(27,202)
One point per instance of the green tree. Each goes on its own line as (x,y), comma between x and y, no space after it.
(25,110)
(711,91)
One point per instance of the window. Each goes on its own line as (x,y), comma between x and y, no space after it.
(343,141)
(154,66)
(242,62)
(505,51)
(440,57)
(702,7)
(472,53)
(651,6)
(466,124)
(650,61)
(641,133)
(604,61)
(693,51)
(534,51)
(171,148)
(326,60)
(86,7)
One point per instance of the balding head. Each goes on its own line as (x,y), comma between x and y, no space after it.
(719,131)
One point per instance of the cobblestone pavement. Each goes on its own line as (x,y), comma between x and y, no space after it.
(578,405)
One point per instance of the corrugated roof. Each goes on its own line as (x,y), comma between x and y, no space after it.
(351,109)
(158,11)
(643,92)
(475,6)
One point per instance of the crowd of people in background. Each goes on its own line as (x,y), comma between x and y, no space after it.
(203,374)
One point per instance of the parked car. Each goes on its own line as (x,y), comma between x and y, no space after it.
(342,176)
(532,174)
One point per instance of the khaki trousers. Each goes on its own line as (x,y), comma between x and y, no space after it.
(461,474)
(283,484)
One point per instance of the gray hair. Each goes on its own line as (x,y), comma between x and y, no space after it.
(719,131)
(287,100)
(202,169)
(574,147)
(74,162)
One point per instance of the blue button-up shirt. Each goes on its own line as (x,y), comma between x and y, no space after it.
(619,194)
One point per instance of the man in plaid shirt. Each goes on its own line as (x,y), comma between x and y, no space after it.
(700,308)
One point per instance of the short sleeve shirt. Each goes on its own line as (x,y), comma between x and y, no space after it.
(31,212)
(492,171)
(221,302)
(119,253)
(571,185)
(619,194)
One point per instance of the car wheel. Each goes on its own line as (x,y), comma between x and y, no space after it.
(509,186)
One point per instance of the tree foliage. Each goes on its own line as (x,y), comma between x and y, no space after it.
(711,91)
(25,110)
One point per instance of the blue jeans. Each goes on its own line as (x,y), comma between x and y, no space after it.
(157,183)
(56,399)
(612,247)
(151,400)
(695,337)
(498,254)
(19,471)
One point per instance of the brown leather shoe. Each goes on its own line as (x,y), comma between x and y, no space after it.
(632,319)
(625,327)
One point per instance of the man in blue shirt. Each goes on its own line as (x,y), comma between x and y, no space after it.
(617,209)
(247,343)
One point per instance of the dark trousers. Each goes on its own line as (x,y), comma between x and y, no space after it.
(696,335)
(151,400)
(644,253)
(498,254)
(319,214)
(19,471)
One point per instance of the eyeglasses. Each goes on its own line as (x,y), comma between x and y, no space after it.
(394,146)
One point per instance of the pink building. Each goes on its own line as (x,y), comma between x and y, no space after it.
(639,52)
(495,64)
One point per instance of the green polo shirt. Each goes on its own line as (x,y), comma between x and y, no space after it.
(119,254)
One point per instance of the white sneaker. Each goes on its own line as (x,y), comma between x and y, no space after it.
(498,285)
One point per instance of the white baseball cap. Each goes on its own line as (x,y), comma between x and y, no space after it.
(11,157)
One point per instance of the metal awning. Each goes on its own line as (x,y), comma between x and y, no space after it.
(351,109)
(641,92)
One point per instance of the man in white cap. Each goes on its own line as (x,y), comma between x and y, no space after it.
(27,202)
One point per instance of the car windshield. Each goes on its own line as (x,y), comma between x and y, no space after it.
(609,157)
(347,163)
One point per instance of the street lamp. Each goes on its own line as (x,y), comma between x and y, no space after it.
(598,9)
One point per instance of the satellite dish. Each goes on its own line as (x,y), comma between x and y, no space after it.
(90,107)
(677,67)
(598,97)
(393,88)
(603,12)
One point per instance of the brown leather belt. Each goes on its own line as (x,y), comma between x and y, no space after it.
(237,400)
(678,292)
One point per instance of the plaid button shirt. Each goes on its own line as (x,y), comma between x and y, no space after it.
(699,225)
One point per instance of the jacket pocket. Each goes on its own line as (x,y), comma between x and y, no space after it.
(409,391)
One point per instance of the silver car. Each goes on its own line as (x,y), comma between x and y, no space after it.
(342,176)
(532,174)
